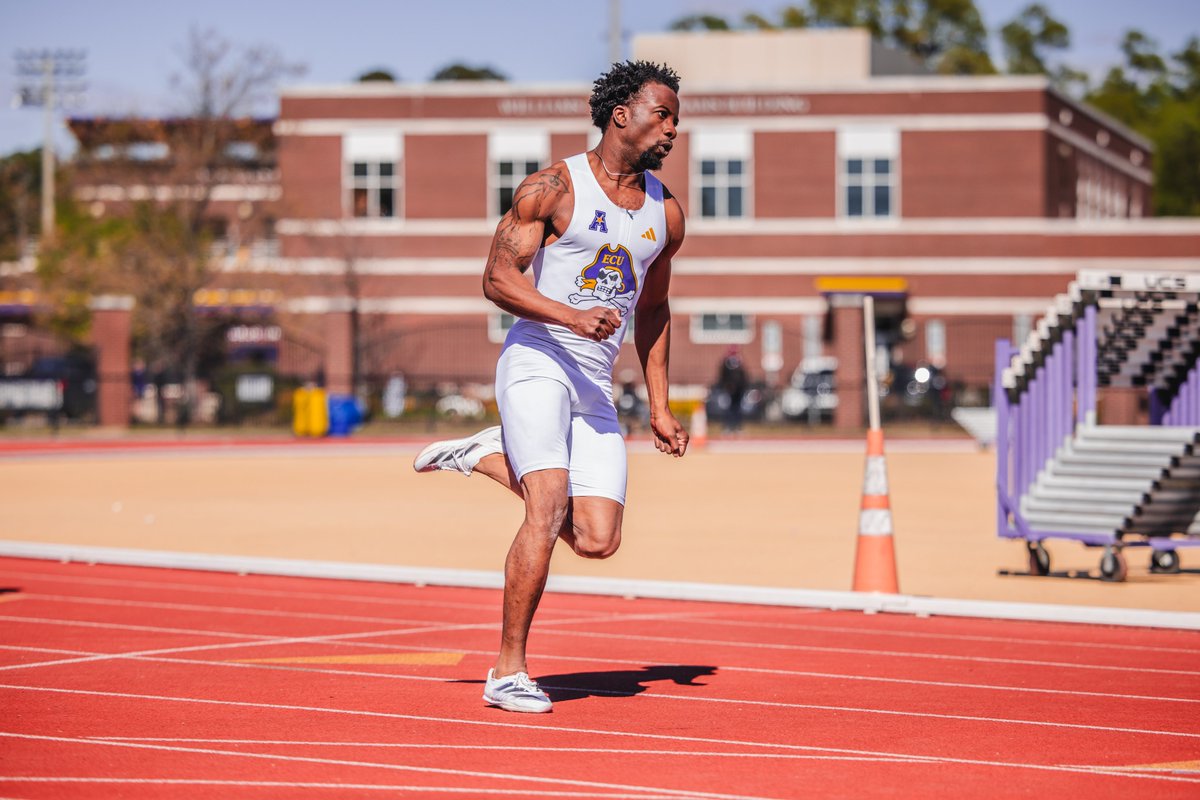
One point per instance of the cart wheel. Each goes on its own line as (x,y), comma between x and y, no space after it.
(1039,559)
(1164,561)
(1112,565)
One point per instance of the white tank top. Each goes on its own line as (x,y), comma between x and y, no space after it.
(601,259)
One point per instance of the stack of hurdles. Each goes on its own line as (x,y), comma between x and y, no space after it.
(1107,485)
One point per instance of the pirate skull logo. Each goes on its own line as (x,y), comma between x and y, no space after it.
(608,280)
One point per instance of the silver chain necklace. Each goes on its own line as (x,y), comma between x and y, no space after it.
(614,175)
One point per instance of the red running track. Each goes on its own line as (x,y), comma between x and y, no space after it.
(137,683)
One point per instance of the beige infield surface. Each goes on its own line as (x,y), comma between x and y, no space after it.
(782,516)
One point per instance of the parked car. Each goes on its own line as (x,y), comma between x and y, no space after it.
(754,402)
(61,386)
(811,394)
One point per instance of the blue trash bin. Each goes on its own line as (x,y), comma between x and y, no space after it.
(344,415)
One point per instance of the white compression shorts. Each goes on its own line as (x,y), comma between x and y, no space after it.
(553,417)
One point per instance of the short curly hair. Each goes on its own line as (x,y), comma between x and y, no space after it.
(622,82)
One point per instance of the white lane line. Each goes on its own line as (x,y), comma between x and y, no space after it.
(957,684)
(867,652)
(458,773)
(954,637)
(838,676)
(122,626)
(243,611)
(383,787)
(520,748)
(233,589)
(541,727)
(240,611)
(648,693)
(258,640)
(706,619)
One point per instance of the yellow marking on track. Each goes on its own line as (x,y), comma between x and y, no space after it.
(421,659)
(1170,766)
(9,596)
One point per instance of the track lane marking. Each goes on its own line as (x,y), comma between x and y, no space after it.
(547,627)
(281,593)
(865,651)
(530,748)
(952,636)
(643,663)
(259,640)
(592,731)
(820,707)
(460,773)
(342,786)
(692,698)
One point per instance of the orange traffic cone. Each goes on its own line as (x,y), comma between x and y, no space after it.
(875,557)
(698,435)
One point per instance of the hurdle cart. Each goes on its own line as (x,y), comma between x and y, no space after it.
(1060,474)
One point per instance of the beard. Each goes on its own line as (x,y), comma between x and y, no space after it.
(648,159)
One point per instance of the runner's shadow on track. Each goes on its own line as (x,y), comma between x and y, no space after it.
(617,682)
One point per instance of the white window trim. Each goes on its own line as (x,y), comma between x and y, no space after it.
(699,335)
(721,144)
(723,182)
(374,184)
(493,181)
(517,145)
(373,146)
(868,142)
(843,184)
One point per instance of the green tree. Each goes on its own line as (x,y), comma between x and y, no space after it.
(1159,97)
(1028,37)
(701,22)
(377,75)
(947,35)
(464,72)
(161,250)
(950,34)
(20,188)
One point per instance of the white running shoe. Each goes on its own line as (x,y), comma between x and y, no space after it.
(516,692)
(460,455)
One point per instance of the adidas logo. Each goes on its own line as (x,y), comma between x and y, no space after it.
(649,234)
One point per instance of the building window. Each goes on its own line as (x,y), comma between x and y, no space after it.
(722,187)
(373,189)
(372,173)
(868,187)
(868,160)
(514,155)
(721,159)
(509,175)
(722,328)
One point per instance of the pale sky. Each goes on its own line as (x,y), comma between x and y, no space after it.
(133,46)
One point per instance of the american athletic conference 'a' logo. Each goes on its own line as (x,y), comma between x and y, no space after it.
(608,280)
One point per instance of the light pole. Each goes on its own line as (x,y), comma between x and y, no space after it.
(47,78)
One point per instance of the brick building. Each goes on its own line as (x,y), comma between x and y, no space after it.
(813,166)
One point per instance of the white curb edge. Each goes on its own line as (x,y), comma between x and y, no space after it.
(620,587)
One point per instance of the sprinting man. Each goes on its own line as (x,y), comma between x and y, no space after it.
(599,231)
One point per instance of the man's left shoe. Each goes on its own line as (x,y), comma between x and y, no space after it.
(517,692)
(460,455)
